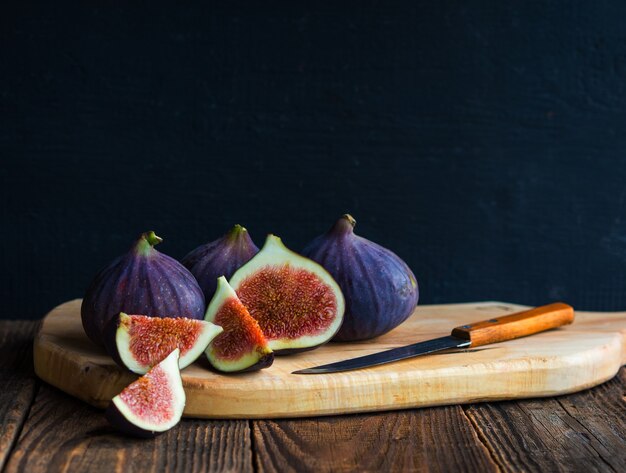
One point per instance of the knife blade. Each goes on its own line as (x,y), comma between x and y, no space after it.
(494,330)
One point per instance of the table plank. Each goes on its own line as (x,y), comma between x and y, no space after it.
(584,431)
(580,432)
(17,379)
(431,439)
(63,434)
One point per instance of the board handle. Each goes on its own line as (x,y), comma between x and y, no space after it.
(520,324)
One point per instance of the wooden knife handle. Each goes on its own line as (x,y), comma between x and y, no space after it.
(516,325)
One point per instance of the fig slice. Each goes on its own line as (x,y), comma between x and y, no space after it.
(141,341)
(153,403)
(242,346)
(296,302)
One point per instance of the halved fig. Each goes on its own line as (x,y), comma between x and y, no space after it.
(140,342)
(296,302)
(242,346)
(152,404)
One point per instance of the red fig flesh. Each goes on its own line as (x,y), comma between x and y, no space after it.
(221,257)
(242,346)
(141,342)
(296,302)
(143,281)
(380,289)
(152,404)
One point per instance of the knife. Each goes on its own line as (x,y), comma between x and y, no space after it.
(494,330)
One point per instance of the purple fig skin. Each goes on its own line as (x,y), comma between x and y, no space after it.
(221,257)
(117,420)
(380,289)
(142,281)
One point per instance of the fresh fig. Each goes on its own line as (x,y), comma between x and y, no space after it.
(139,342)
(380,289)
(152,404)
(242,346)
(142,281)
(221,257)
(296,302)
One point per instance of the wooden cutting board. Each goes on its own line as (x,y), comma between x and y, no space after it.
(559,361)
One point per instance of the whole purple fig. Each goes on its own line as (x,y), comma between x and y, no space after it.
(380,289)
(142,281)
(221,257)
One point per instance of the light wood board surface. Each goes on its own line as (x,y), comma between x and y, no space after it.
(560,361)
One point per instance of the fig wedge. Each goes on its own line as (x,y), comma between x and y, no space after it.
(140,342)
(242,345)
(152,404)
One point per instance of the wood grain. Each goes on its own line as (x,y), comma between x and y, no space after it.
(553,362)
(17,379)
(583,432)
(62,434)
(432,439)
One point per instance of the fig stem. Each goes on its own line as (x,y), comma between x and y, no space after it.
(147,241)
(350,219)
(152,238)
(344,225)
(236,231)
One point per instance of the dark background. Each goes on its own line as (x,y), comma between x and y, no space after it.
(481,141)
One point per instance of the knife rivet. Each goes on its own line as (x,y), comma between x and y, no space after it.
(493,320)
(466,326)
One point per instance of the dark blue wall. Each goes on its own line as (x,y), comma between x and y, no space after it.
(484,142)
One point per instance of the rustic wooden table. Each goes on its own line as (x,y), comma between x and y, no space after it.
(44,429)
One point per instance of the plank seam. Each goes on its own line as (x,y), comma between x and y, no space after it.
(253,447)
(600,456)
(36,385)
(20,428)
(483,439)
